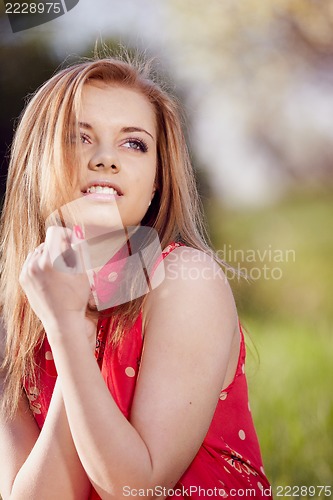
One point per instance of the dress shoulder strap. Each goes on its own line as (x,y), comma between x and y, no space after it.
(172,246)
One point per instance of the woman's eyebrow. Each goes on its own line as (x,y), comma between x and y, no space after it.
(136,129)
(85,125)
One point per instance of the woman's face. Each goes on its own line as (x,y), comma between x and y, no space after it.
(118,154)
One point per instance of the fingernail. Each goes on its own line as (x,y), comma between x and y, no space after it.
(78,232)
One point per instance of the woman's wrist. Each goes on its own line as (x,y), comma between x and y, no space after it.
(71,329)
(67,326)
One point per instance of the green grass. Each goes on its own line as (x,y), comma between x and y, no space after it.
(290,325)
(292,400)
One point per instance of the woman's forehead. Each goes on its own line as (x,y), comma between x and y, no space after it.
(104,100)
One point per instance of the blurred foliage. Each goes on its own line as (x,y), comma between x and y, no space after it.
(297,232)
(25,67)
(273,61)
(289,321)
(265,27)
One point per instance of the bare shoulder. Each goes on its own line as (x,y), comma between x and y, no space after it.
(195,282)
(190,322)
(196,265)
(193,307)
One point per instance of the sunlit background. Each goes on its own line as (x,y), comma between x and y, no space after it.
(256,81)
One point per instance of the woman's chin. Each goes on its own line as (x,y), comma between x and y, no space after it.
(100,218)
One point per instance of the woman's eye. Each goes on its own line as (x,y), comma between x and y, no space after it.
(137,145)
(84,139)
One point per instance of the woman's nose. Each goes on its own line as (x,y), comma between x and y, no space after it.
(103,159)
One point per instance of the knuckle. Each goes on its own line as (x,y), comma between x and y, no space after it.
(32,268)
(22,278)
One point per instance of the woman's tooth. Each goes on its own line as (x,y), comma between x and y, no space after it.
(102,190)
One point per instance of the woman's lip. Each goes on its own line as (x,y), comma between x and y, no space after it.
(101,196)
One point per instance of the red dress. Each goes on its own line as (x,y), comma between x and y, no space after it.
(228,463)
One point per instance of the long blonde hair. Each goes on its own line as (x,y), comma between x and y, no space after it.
(41,178)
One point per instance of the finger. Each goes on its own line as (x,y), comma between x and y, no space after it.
(39,250)
(70,258)
(25,263)
(34,262)
(41,256)
(29,262)
(81,248)
(58,233)
(60,252)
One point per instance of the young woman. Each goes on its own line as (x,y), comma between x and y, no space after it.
(145,398)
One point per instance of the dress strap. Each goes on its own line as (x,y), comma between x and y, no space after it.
(172,246)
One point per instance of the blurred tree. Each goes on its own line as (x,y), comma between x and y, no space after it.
(275,60)
(25,67)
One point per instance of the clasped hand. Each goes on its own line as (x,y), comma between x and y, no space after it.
(54,280)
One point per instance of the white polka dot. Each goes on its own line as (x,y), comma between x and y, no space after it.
(241,434)
(112,276)
(262,470)
(130,372)
(223,396)
(226,469)
(260,485)
(48,355)
(243,368)
(248,404)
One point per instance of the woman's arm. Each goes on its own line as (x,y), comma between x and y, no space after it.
(190,327)
(40,465)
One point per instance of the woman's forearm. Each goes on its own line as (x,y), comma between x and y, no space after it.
(52,470)
(111,450)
